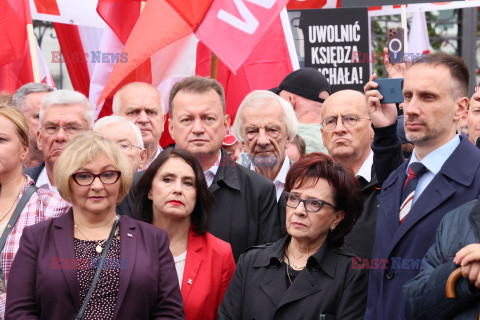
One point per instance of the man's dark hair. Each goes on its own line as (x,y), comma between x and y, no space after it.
(300,144)
(458,70)
(202,213)
(197,85)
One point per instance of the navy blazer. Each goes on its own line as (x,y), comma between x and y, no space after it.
(43,280)
(404,245)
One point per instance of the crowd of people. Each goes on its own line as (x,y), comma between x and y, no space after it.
(303,208)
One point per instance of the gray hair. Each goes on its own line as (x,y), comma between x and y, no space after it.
(68,98)
(105,121)
(19,99)
(259,99)
(117,97)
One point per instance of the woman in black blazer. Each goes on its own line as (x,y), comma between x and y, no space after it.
(305,275)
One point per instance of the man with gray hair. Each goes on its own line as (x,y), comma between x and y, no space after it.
(28,100)
(266,124)
(63,115)
(141,103)
(127,135)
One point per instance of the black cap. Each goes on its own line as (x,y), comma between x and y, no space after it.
(305,82)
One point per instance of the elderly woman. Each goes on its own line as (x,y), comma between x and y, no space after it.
(21,203)
(172,194)
(91,263)
(305,275)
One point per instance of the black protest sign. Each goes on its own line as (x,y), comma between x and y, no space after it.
(336,43)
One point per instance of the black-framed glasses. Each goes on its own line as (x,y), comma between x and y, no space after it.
(311,205)
(87,178)
(70,130)
(348,121)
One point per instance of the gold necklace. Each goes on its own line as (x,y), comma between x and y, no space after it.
(293,264)
(99,247)
(13,203)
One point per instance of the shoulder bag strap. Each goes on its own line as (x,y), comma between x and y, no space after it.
(98,271)
(13,219)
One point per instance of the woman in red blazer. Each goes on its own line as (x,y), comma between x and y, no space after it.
(173,195)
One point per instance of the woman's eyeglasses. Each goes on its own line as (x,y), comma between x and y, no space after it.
(311,205)
(87,178)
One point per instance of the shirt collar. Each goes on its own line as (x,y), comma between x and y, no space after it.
(159,150)
(214,168)
(435,159)
(282,174)
(366,169)
(43,181)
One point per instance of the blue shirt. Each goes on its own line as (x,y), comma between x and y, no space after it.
(433,162)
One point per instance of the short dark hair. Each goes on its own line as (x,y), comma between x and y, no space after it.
(456,65)
(347,194)
(198,85)
(202,212)
(300,144)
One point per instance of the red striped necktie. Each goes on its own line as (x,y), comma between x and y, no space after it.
(415,171)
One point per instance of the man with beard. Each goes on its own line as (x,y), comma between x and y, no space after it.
(266,124)
(442,174)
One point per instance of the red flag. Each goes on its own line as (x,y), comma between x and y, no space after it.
(264,68)
(244,21)
(15,60)
(120,15)
(312,4)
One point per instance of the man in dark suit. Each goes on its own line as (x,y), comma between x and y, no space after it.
(245,212)
(442,174)
(63,115)
(348,135)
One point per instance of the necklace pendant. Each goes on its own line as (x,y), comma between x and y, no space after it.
(99,248)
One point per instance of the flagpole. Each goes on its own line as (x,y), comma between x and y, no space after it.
(31,43)
(214,67)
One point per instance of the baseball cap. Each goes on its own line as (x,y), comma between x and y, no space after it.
(305,82)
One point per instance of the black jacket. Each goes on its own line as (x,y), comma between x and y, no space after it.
(328,288)
(360,240)
(245,212)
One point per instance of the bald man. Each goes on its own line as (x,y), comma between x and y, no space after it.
(348,135)
(142,104)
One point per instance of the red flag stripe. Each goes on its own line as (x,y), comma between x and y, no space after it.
(47,7)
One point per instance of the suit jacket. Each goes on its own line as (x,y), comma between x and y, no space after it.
(43,280)
(404,245)
(245,212)
(327,288)
(34,172)
(208,269)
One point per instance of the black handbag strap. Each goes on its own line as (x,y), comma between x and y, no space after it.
(98,271)
(13,219)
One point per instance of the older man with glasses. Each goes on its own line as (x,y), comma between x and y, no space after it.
(348,135)
(63,115)
(127,135)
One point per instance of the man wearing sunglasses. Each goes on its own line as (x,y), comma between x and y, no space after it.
(348,135)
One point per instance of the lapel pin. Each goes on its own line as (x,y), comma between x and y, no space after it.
(129,235)
(189,281)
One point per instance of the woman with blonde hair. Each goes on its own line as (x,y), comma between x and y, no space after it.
(21,203)
(92,263)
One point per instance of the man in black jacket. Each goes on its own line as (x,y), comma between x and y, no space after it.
(348,135)
(245,212)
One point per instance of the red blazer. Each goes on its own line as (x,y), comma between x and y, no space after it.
(208,269)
